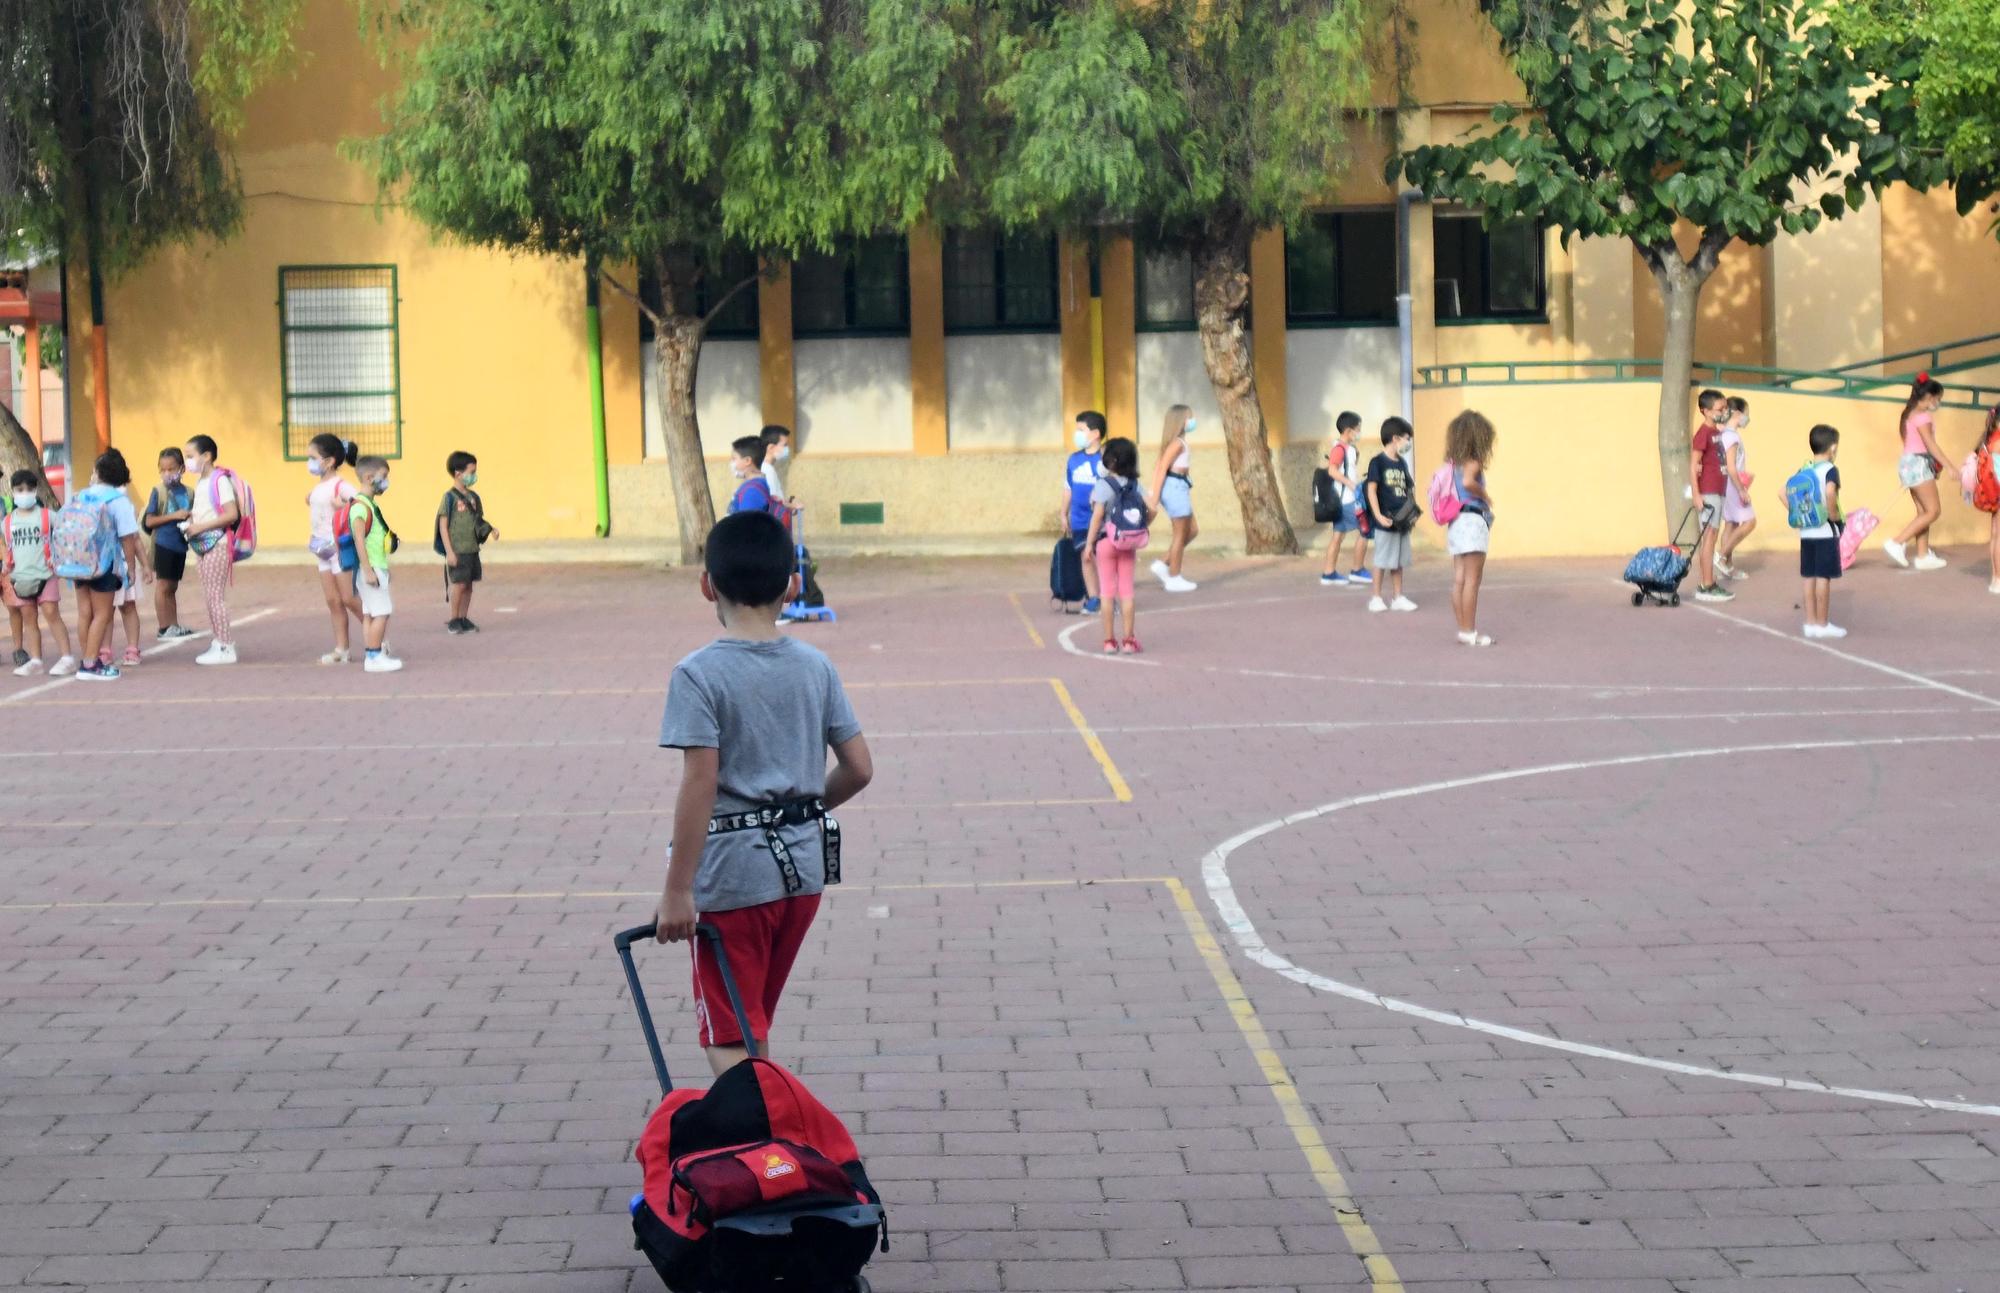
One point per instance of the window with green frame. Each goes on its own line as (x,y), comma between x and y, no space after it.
(1340,267)
(861,289)
(1484,273)
(999,282)
(738,319)
(340,363)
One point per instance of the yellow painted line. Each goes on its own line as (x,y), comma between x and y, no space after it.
(1121,791)
(1034,634)
(559,895)
(1359,1234)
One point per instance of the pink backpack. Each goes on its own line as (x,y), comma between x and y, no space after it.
(1446,503)
(242,535)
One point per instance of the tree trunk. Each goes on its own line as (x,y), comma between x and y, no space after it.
(1221,297)
(17,451)
(1681,297)
(676,355)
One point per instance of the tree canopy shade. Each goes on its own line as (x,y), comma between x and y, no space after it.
(662,133)
(1955,45)
(111,121)
(1740,118)
(1194,123)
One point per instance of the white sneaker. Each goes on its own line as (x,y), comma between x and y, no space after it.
(1896,553)
(1930,561)
(1813,631)
(1161,573)
(29,669)
(1832,631)
(1377,604)
(1475,639)
(217,653)
(381,664)
(1180,584)
(63,668)
(335,656)
(1402,604)
(1994,588)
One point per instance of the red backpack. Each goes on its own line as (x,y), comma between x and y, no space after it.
(753,1184)
(1985,485)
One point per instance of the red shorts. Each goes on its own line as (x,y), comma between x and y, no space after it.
(762,942)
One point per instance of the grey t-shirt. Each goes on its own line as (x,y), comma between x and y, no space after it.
(769,709)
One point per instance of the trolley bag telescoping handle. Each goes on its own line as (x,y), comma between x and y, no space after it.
(713,936)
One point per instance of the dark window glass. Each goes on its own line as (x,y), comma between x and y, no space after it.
(1487,274)
(1341,267)
(1165,290)
(994,281)
(862,287)
(738,317)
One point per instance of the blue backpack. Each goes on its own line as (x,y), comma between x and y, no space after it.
(85,542)
(1805,499)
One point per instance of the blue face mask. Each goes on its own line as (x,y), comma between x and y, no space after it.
(381,484)
(471,479)
(1189,428)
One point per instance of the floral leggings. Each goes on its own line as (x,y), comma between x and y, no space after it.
(214,566)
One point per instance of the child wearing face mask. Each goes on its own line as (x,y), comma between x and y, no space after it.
(167,506)
(777,449)
(212,514)
(461,530)
(326,507)
(373,542)
(28,583)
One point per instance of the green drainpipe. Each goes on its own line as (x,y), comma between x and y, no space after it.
(594,333)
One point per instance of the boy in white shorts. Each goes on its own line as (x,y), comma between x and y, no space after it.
(373,542)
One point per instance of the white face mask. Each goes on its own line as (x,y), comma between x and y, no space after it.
(738,468)
(783,452)
(381,484)
(315,466)
(27,500)
(1082,438)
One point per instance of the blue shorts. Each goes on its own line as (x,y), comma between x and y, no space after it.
(1349,519)
(1177,497)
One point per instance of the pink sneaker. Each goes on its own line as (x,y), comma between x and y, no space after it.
(1132,646)
(1110,646)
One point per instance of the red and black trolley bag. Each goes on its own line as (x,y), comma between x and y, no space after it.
(753,1184)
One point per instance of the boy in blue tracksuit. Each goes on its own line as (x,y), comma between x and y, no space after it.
(1080,476)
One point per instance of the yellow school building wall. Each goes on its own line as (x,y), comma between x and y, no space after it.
(1576,466)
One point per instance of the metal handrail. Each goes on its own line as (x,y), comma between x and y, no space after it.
(1933,354)
(1846,386)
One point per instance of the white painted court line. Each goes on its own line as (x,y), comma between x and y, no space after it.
(157,648)
(1862,660)
(1215,875)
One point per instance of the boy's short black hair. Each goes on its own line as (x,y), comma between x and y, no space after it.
(1092,420)
(1822,438)
(1708,399)
(774,433)
(751,447)
(459,461)
(26,478)
(1347,422)
(749,559)
(1394,426)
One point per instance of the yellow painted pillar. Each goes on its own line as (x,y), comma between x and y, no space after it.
(1117,285)
(31,378)
(1079,366)
(929,419)
(1267,329)
(778,387)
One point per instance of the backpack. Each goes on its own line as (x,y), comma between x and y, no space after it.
(1985,491)
(1066,573)
(1805,500)
(28,541)
(85,543)
(1326,497)
(480,529)
(1446,501)
(346,556)
(1126,518)
(350,555)
(753,1184)
(242,536)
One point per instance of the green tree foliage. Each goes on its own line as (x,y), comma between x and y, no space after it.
(660,132)
(1194,123)
(112,118)
(1955,46)
(1743,119)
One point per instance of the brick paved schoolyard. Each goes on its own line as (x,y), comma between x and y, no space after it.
(339,1012)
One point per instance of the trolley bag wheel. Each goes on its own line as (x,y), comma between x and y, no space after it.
(1639,599)
(1674,599)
